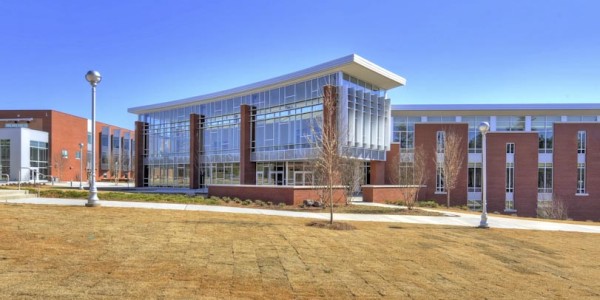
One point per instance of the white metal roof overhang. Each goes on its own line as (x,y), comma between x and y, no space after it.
(353,65)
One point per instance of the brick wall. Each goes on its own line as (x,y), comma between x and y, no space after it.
(277,194)
(526,171)
(580,207)
(425,140)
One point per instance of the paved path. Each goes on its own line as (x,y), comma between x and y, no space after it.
(451,218)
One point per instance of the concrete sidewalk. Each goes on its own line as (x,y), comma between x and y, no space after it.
(452,218)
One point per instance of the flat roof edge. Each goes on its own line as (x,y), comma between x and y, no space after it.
(472,107)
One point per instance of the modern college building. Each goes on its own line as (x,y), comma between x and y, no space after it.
(44,144)
(254,142)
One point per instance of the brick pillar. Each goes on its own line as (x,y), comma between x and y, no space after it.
(194,150)
(377,172)
(247,167)
(330,112)
(140,146)
(391,167)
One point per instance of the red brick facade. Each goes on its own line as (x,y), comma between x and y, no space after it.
(425,140)
(65,132)
(290,195)
(526,171)
(585,206)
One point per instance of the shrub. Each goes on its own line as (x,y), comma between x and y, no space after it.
(555,209)
(237,201)
(270,203)
(259,202)
(247,202)
(281,204)
(429,203)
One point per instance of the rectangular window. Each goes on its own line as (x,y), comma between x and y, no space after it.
(439,179)
(545,178)
(510,148)
(474,133)
(581,141)
(510,177)
(581,178)
(78,155)
(474,180)
(441,138)
(5,156)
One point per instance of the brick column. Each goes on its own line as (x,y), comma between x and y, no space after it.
(194,150)
(247,167)
(377,172)
(392,165)
(140,146)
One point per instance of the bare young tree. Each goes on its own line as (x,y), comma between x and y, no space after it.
(350,176)
(410,176)
(454,159)
(328,157)
(59,163)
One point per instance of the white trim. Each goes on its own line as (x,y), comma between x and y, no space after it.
(508,107)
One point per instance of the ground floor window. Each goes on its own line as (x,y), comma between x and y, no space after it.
(169,175)
(474,182)
(219,173)
(545,178)
(284,173)
(581,178)
(5,157)
(439,179)
(38,157)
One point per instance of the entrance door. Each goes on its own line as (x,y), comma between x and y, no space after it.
(277,177)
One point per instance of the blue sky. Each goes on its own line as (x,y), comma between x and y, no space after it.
(155,51)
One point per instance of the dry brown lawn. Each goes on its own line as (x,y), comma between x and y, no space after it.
(79,252)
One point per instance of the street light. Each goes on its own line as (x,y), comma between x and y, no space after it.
(484,127)
(93,77)
(80,165)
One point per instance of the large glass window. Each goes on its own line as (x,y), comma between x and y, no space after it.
(545,178)
(38,156)
(543,125)
(404,131)
(474,180)
(474,133)
(510,123)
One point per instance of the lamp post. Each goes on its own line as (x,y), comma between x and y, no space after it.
(484,127)
(93,77)
(80,165)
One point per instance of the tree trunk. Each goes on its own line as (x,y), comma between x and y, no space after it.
(331,206)
(448,198)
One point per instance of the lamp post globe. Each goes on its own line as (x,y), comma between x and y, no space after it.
(484,127)
(93,77)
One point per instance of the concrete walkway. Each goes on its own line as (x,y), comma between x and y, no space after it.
(451,218)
